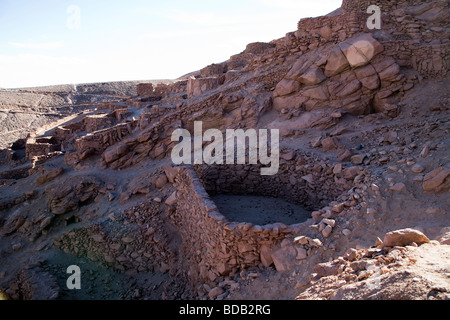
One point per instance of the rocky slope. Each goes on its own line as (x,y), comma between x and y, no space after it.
(364,121)
(25,110)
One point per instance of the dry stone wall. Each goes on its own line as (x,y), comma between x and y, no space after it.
(217,247)
(313,32)
(100,140)
(302,179)
(35,148)
(362,5)
(132,240)
(213,246)
(411,32)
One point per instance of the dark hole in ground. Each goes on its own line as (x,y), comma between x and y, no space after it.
(259,210)
(99,282)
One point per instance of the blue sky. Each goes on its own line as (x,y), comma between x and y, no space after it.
(57,42)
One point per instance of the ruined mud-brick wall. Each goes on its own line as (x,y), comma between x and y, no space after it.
(152,114)
(100,140)
(62,134)
(259,48)
(161,90)
(215,69)
(6,156)
(302,179)
(213,246)
(197,87)
(97,122)
(34,148)
(232,108)
(144,89)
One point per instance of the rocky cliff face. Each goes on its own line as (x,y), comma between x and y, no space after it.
(363,118)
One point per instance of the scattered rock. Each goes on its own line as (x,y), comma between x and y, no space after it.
(127,240)
(398,187)
(215,292)
(160,181)
(326,269)
(52,175)
(444,238)
(316,142)
(337,168)
(309,178)
(425,151)
(344,155)
(327,231)
(170,172)
(301,240)
(358,158)
(404,237)
(330,143)
(329,222)
(284,258)
(301,254)
(338,208)
(417,168)
(346,232)
(172,199)
(390,137)
(432,210)
(266,255)
(316,243)
(437,180)
(351,172)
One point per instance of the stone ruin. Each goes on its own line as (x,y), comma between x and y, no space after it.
(332,66)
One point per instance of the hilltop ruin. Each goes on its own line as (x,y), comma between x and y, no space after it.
(363,117)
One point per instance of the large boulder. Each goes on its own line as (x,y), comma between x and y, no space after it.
(318,93)
(368,77)
(336,62)
(386,67)
(284,258)
(360,50)
(312,77)
(302,65)
(115,152)
(286,87)
(404,237)
(49,176)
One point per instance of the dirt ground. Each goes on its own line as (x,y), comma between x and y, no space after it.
(260,210)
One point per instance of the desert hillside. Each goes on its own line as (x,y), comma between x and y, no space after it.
(358,208)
